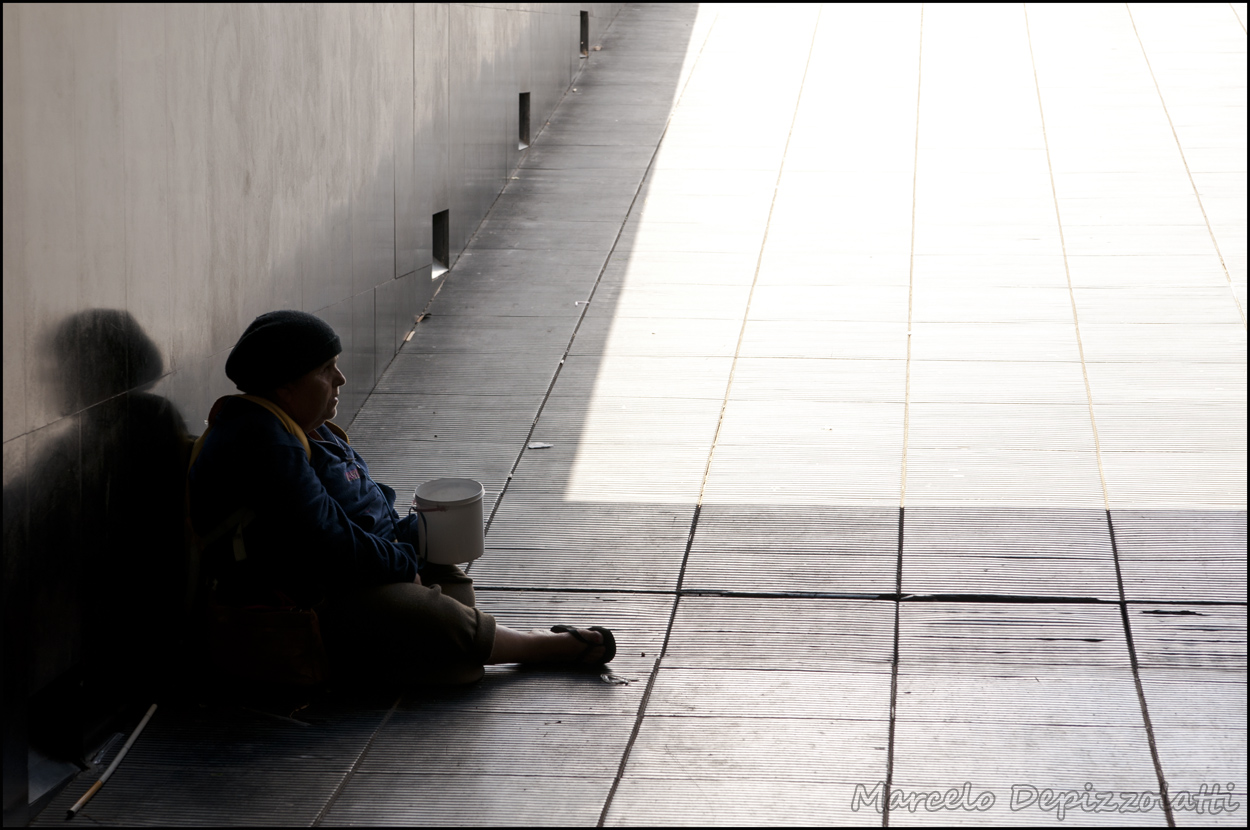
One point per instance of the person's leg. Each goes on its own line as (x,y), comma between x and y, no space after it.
(454,582)
(414,631)
(512,646)
(404,631)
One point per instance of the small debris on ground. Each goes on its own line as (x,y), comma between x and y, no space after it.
(538,445)
(613,679)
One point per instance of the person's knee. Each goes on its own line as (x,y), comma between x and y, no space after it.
(454,582)
(404,623)
(461,593)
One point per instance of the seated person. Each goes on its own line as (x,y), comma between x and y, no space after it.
(317,530)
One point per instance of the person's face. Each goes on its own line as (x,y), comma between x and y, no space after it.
(313,399)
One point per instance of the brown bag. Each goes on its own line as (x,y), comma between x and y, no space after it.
(267,644)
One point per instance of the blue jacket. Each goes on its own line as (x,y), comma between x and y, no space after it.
(322,526)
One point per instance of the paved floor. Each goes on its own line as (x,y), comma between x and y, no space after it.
(893,363)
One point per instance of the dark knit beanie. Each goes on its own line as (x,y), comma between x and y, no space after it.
(279,347)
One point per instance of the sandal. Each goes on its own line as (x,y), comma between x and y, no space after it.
(609,643)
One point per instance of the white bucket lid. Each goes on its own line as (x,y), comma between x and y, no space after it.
(451,492)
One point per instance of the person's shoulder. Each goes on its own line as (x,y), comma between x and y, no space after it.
(244,424)
(239,412)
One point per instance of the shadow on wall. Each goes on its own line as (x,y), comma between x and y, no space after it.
(102,500)
(230,212)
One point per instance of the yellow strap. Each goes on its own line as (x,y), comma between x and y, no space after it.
(281,415)
(337,430)
(238,520)
(195,449)
(286,420)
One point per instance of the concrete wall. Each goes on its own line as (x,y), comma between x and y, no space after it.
(170,172)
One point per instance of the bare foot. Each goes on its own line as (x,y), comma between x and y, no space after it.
(576,651)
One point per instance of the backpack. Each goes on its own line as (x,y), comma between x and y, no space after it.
(274,642)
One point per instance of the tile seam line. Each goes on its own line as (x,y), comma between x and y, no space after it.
(1115,556)
(1076,322)
(425,311)
(902,496)
(746,315)
(1141,692)
(598,279)
(507,179)
(1239,20)
(581,317)
(1175,137)
(351,773)
(646,697)
(868,596)
(911,270)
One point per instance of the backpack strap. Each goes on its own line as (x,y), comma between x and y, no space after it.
(285,419)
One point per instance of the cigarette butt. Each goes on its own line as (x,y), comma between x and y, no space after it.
(95,788)
(73,811)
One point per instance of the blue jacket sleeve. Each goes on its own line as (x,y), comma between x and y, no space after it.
(336,549)
(407,530)
(300,535)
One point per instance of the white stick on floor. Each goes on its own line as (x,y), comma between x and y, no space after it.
(95,788)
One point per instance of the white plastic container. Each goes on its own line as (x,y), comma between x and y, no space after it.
(453,528)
